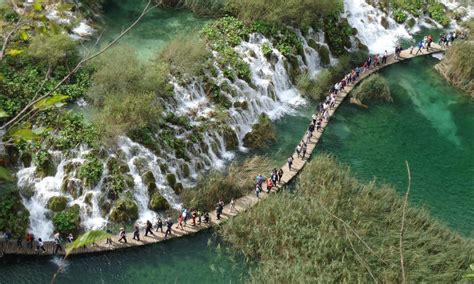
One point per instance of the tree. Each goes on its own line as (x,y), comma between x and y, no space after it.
(53,49)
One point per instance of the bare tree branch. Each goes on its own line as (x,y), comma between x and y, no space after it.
(402,229)
(21,115)
(7,36)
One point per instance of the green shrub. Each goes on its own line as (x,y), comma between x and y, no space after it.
(399,16)
(53,49)
(125,210)
(91,170)
(309,234)
(68,221)
(438,13)
(374,87)
(266,50)
(238,180)
(158,202)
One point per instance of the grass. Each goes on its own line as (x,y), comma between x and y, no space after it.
(309,236)
(374,87)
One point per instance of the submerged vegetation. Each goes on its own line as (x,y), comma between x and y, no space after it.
(335,227)
(374,87)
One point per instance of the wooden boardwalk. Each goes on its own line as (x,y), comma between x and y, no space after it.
(242,203)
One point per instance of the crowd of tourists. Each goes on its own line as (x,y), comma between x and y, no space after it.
(31,242)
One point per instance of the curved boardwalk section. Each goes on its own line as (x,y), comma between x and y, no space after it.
(242,203)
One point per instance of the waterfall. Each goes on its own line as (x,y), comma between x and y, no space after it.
(270,90)
(368,22)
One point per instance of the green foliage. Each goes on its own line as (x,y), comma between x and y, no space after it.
(125,210)
(185,55)
(158,202)
(91,170)
(266,49)
(284,39)
(68,221)
(374,87)
(57,203)
(300,233)
(14,217)
(53,49)
(438,13)
(399,16)
(236,182)
(263,134)
(338,32)
(414,7)
(72,130)
(5,174)
(458,66)
(301,13)
(88,238)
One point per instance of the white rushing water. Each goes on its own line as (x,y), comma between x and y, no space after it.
(367,20)
(269,91)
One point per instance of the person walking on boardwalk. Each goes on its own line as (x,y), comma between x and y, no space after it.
(384,57)
(185,216)
(298,150)
(19,241)
(159,225)
(194,215)
(232,205)
(280,175)
(57,244)
(108,240)
(290,162)
(169,227)
(206,218)
(303,151)
(180,222)
(136,234)
(40,245)
(274,177)
(122,235)
(148,228)
(219,209)
(257,191)
(70,238)
(420,46)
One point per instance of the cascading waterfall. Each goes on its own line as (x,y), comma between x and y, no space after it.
(368,22)
(269,91)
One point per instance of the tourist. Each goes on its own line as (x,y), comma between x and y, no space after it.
(180,222)
(303,151)
(280,175)
(314,117)
(257,191)
(384,57)
(269,185)
(108,240)
(57,244)
(169,227)
(232,205)
(274,177)
(206,218)
(19,241)
(159,225)
(298,150)
(122,235)
(40,245)
(148,228)
(219,209)
(199,216)
(290,162)
(194,215)
(70,238)
(185,215)
(420,46)
(136,234)
(260,179)
(29,240)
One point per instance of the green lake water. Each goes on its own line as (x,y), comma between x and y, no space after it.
(155,29)
(194,259)
(429,124)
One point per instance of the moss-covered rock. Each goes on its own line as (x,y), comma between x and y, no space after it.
(68,221)
(171,179)
(114,165)
(125,210)
(88,199)
(158,202)
(384,22)
(185,170)
(57,203)
(151,188)
(26,159)
(46,169)
(115,184)
(27,191)
(411,22)
(72,186)
(230,138)
(323,52)
(262,134)
(163,168)
(71,166)
(178,188)
(148,177)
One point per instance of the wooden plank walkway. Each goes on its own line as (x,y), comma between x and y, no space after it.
(241,204)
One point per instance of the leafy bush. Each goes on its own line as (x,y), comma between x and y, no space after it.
(91,170)
(399,16)
(68,221)
(338,32)
(238,180)
(158,202)
(53,49)
(309,235)
(374,87)
(125,210)
(438,13)
(266,49)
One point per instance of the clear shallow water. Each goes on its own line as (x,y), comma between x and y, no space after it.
(193,259)
(155,29)
(430,124)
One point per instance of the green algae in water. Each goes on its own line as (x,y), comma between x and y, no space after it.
(194,259)
(429,124)
(156,28)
